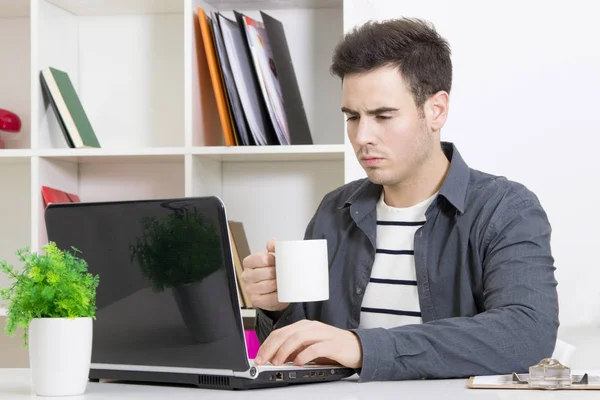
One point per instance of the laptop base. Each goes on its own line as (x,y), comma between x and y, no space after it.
(265,379)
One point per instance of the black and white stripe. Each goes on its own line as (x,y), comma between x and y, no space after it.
(400,223)
(391,297)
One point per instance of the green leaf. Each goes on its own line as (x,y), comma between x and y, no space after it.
(52,284)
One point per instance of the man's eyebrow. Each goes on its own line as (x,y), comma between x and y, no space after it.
(376,111)
(349,111)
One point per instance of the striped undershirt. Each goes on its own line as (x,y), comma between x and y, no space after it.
(391,298)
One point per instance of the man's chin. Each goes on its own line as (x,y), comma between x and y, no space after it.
(375,177)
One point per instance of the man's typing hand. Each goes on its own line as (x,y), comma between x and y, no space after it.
(306,341)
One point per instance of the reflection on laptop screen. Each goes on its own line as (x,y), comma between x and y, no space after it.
(166,280)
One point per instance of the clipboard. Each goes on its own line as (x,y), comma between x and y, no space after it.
(580,381)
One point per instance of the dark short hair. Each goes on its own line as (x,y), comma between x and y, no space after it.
(412,45)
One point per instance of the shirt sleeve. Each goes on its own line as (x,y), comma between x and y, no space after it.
(265,323)
(517,329)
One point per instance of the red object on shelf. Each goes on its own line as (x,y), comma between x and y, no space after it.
(9,121)
(52,195)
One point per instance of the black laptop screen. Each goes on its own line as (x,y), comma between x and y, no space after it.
(167,295)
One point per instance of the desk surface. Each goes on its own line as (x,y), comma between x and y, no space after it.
(15,385)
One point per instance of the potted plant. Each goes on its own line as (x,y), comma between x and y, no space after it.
(182,251)
(53,298)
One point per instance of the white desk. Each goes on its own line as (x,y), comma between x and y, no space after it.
(15,385)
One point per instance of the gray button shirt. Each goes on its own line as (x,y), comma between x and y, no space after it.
(485,279)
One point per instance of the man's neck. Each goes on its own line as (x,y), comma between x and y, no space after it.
(427,181)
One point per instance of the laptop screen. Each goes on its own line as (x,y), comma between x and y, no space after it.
(167,295)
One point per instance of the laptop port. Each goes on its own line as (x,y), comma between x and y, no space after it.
(313,374)
(321,373)
(292,375)
(279,376)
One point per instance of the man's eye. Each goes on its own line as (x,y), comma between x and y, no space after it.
(382,117)
(352,118)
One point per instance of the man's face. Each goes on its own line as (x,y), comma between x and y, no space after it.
(390,137)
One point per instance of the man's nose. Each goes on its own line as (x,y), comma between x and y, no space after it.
(364,132)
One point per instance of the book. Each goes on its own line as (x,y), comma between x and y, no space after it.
(52,195)
(259,124)
(238,272)
(217,79)
(264,66)
(298,126)
(244,137)
(65,102)
(241,251)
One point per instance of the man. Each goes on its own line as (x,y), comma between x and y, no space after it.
(436,270)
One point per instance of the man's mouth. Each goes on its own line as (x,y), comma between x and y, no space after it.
(371,161)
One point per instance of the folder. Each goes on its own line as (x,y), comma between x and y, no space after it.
(260,81)
(217,80)
(292,98)
(260,127)
(293,106)
(239,119)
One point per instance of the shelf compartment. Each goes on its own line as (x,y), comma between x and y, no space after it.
(272,198)
(15,69)
(311,34)
(129,179)
(128,71)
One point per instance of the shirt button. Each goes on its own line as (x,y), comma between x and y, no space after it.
(358,290)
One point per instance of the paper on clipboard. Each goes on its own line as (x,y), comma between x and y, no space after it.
(507,381)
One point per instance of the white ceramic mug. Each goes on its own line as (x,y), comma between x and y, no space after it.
(302,269)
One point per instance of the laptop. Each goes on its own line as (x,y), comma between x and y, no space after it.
(167,303)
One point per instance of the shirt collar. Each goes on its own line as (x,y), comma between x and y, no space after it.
(454,188)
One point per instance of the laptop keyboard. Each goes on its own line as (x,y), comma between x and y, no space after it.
(290,365)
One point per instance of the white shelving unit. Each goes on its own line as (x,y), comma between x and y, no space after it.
(143,80)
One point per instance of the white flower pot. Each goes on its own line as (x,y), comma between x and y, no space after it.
(60,352)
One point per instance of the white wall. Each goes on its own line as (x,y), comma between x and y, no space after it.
(525,105)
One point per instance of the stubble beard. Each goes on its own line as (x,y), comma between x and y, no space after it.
(425,149)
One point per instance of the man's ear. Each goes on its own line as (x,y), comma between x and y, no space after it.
(436,110)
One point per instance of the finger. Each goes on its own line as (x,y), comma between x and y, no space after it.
(318,350)
(325,361)
(274,341)
(297,342)
(271,245)
(263,287)
(293,355)
(256,275)
(265,301)
(259,260)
